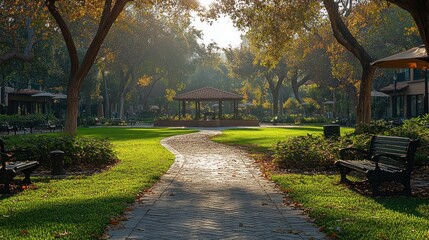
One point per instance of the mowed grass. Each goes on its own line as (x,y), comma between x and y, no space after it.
(339,211)
(81,207)
(264,139)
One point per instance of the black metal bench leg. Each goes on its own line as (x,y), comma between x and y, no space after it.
(375,189)
(7,177)
(344,172)
(6,189)
(407,186)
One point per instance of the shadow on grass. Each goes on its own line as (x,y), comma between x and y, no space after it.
(408,205)
(77,219)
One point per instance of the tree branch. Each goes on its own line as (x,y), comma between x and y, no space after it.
(343,35)
(71,47)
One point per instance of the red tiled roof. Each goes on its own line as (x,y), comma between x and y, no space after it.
(208,94)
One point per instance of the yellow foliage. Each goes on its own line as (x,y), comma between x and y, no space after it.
(145,81)
(169,94)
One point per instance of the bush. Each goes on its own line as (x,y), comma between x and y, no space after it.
(25,121)
(78,151)
(314,119)
(306,153)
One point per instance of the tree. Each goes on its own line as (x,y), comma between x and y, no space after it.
(346,38)
(419,10)
(106,13)
(243,64)
(79,69)
(17,29)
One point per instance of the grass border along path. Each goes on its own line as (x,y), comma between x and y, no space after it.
(339,211)
(81,207)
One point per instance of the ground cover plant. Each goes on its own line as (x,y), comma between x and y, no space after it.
(80,207)
(338,210)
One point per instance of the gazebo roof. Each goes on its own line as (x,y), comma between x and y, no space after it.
(208,94)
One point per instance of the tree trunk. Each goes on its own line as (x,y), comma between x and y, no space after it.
(121,105)
(345,38)
(275,102)
(106,95)
(363,112)
(72,112)
(146,96)
(275,90)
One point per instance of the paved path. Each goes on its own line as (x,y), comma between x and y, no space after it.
(212,191)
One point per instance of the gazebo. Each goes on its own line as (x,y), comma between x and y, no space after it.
(207,94)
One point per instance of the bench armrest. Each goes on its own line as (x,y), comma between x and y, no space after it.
(353,151)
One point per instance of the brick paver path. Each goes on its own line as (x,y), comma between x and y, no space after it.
(212,191)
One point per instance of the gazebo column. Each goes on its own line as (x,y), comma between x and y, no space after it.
(235,109)
(197,111)
(220,110)
(183,108)
(180,112)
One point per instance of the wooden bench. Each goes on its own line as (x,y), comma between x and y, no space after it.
(10,167)
(388,159)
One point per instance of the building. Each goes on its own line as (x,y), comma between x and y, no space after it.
(407,93)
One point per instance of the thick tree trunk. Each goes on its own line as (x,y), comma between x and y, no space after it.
(275,90)
(275,102)
(72,112)
(346,38)
(363,111)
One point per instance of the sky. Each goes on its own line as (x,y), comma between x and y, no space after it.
(222,31)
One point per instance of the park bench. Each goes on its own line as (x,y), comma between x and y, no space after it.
(388,159)
(11,166)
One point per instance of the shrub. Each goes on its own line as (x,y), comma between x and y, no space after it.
(306,153)
(78,151)
(374,127)
(292,106)
(314,119)
(174,117)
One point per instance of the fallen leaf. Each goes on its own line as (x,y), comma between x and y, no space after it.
(62,234)
(333,236)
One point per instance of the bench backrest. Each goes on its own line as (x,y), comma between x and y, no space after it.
(403,147)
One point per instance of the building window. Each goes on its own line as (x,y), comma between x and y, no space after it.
(400,106)
(419,105)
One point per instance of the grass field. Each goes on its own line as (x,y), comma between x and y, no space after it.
(81,207)
(264,139)
(340,212)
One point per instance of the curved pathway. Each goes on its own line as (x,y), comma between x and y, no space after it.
(212,191)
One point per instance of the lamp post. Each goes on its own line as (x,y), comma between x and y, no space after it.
(425,98)
(394,100)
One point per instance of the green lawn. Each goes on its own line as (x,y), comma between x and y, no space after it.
(80,207)
(265,139)
(339,211)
